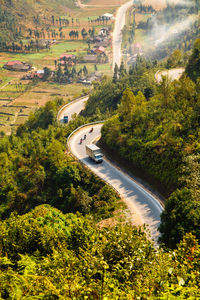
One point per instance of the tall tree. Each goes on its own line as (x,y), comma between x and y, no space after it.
(115,74)
(193,66)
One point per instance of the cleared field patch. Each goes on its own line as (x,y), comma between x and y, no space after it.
(8,110)
(106,3)
(4,102)
(12,116)
(142,17)
(46,91)
(157,5)
(6,119)
(92,12)
(140,37)
(44,58)
(4,77)
(20,120)
(8,96)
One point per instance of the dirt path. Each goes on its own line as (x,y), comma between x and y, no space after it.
(79,4)
(1,88)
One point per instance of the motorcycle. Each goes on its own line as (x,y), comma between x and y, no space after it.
(91,130)
(81,141)
(84,137)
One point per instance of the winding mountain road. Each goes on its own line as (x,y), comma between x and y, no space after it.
(173,74)
(143,206)
(72,108)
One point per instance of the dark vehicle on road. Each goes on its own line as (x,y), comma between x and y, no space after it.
(65,119)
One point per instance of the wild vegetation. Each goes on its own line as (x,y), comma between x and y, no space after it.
(28,27)
(36,170)
(17,16)
(157,34)
(160,134)
(54,243)
(47,254)
(106,96)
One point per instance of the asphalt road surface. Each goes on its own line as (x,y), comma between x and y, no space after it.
(117,36)
(144,208)
(72,108)
(173,74)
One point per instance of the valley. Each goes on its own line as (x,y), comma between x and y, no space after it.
(99,149)
(56,43)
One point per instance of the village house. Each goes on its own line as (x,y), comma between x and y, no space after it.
(89,59)
(38,74)
(100,50)
(95,39)
(95,59)
(95,76)
(107,16)
(104,32)
(105,42)
(69,59)
(17,65)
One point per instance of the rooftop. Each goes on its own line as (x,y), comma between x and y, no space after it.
(101,48)
(107,15)
(14,62)
(67,56)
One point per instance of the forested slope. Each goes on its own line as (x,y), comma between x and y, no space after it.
(18,16)
(35,170)
(161,135)
(48,255)
(52,245)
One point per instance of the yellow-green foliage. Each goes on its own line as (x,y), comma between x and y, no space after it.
(45,254)
(34,169)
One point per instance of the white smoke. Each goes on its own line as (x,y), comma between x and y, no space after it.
(187,3)
(162,3)
(162,33)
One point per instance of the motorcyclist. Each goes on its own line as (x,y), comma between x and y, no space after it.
(91,130)
(81,141)
(84,136)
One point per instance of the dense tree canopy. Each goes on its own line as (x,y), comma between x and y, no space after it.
(47,254)
(105,98)
(193,66)
(160,135)
(52,243)
(35,169)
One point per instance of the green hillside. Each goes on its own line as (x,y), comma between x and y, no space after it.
(18,17)
(26,8)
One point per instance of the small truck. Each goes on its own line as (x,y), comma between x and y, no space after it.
(94,153)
